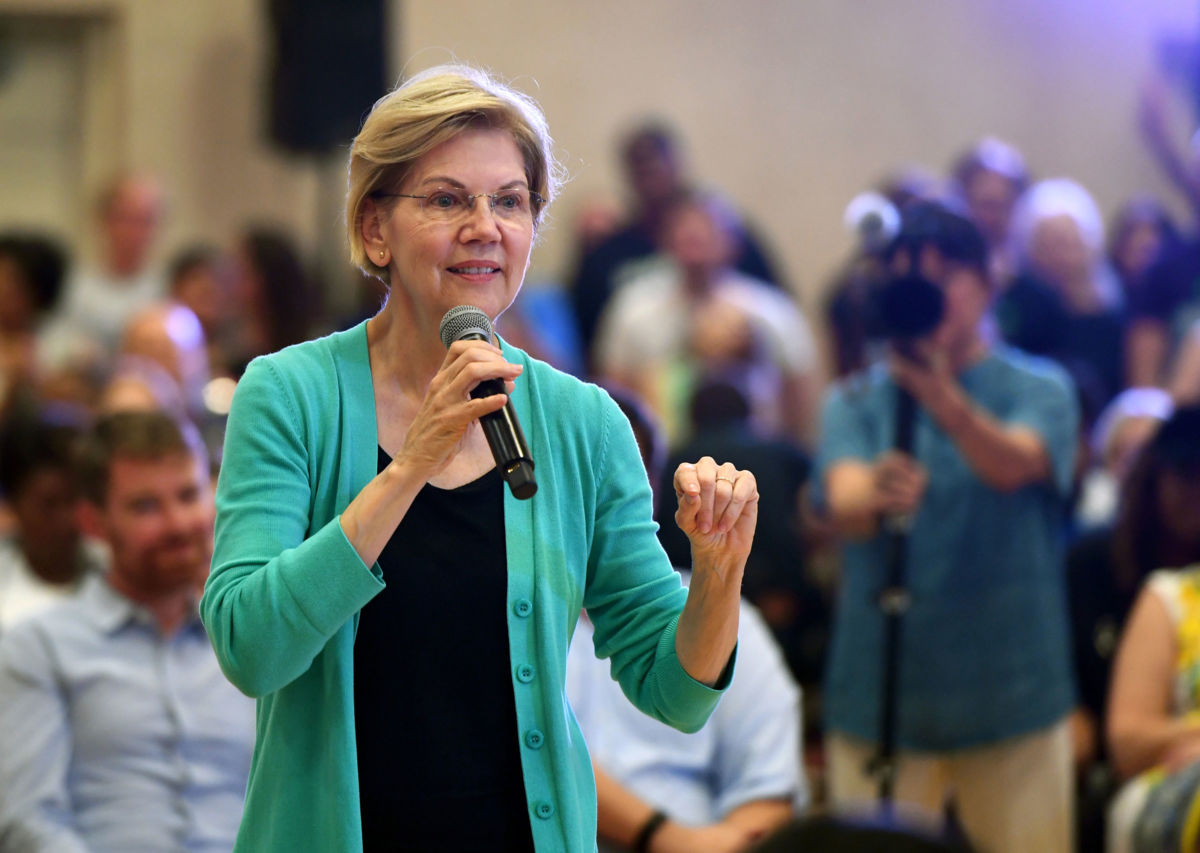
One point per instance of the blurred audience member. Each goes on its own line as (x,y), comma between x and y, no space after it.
(981,496)
(1167,307)
(46,556)
(1157,270)
(713,791)
(656,175)
(1119,503)
(1142,231)
(673,323)
(281,299)
(1153,725)
(199,279)
(987,180)
(140,385)
(31,277)
(170,335)
(118,731)
(1058,235)
(101,297)
(1120,432)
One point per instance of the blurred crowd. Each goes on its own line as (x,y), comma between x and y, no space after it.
(677,304)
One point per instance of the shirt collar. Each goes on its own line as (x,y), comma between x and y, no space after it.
(111,611)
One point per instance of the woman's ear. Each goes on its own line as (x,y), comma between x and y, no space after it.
(372,233)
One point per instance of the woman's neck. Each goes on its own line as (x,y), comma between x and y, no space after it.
(400,349)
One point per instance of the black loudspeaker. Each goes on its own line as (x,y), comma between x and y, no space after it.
(327,70)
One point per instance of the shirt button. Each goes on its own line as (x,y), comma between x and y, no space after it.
(534,739)
(522,607)
(543,810)
(525,673)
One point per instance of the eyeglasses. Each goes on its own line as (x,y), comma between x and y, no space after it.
(451,205)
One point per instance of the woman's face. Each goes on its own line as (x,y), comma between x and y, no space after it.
(990,199)
(1057,250)
(479,259)
(1139,248)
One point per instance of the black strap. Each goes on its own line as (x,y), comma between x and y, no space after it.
(641,844)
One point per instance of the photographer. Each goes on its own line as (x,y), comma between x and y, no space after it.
(982,673)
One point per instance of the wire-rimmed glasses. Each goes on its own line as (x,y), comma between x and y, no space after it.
(450,204)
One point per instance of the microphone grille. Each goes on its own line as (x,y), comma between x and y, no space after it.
(462,320)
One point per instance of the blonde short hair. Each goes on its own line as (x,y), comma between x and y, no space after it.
(427,110)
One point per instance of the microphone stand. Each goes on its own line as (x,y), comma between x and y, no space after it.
(894,600)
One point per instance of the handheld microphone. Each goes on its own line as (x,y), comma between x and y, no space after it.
(503,430)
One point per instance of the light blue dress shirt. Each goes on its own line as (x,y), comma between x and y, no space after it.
(748,750)
(116,738)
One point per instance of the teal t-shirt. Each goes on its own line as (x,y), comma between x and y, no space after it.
(984,647)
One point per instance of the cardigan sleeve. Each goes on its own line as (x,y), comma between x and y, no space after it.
(634,597)
(276,594)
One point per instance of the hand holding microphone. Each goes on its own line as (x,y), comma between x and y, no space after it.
(502,429)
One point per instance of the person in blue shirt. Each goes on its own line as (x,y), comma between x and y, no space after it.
(984,680)
(118,731)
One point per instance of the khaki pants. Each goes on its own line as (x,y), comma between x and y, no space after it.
(1015,796)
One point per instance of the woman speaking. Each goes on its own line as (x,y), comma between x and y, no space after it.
(401,616)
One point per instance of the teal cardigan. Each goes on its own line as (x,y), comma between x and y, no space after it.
(282,602)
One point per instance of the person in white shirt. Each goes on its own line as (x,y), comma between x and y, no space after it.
(100,298)
(691,313)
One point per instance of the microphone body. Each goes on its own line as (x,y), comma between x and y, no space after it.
(501,428)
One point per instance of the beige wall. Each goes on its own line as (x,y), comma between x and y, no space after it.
(792,106)
(175,88)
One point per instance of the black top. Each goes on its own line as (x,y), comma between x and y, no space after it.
(1032,317)
(1172,286)
(439,765)
(1100,605)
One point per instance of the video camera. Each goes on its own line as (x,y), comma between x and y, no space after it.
(906,305)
